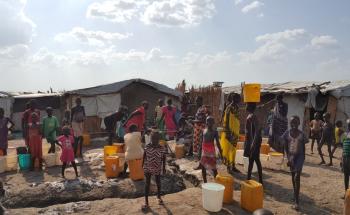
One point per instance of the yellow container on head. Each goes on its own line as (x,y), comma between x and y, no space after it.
(251,92)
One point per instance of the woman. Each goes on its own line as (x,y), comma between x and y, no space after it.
(138,117)
(169,113)
(199,126)
(229,137)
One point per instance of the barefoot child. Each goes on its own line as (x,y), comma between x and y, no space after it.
(316,128)
(154,159)
(294,142)
(208,157)
(4,129)
(253,141)
(346,156)
(35,139)
(327,137)
(338,135)
(50,127)
(66,142)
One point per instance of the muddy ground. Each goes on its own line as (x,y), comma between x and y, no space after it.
(321,190)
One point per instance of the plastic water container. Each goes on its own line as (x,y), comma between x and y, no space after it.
(112,167)
(212,196)
(25,161)
(120,147)
(179,151)
(86,139)
(46,147)
(252,195)
(226,180)
(121,157)
(11,151)
(2,164)
(251,92)
(50,160)
(109,151)
(11,162)
(264,159)
(240,145)
(136,170)
(275,160)
(246,164)
(239,157)
(265,149)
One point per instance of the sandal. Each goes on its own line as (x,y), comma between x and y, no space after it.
(145,208)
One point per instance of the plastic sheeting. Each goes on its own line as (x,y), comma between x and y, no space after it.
(6,104)
(343,109)
(295,107)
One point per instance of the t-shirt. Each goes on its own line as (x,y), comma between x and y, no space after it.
(78,114)
(50,126)
(133,146)
(346,145)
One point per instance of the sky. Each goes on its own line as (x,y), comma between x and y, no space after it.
(70,44)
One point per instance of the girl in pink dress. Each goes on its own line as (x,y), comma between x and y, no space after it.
(66,142)
(169,113)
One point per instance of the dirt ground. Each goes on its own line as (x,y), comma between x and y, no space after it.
(321,190)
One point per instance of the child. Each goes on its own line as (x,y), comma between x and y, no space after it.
(294,142)
(208,155)
(253,141)
(316,128)
(50,127)
(35,139)
(185,133)
(338,135)
(66,142)
(327,137)
(154,159)
(4,129)
(133,145)
(346,156)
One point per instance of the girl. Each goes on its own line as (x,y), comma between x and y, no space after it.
(294,142)
(208,159)
(169,113)
(66,142)
(339,132)
(154,160)
(35,139)
(253,141)
(4,129)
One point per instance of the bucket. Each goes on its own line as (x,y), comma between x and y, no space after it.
(25,161)
(50,160)
(2,164)
(119,147)
(275,160)
(11,162)
(112,167)
(109,151)
(239,157)
(240,145)
(86,139)
(246,164)
(212,196)
(251,92)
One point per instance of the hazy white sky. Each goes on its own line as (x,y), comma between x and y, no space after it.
(68,44)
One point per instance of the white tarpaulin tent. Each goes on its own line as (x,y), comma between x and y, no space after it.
(6,104)
(100,105)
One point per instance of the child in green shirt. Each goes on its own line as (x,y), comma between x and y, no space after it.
(50,128)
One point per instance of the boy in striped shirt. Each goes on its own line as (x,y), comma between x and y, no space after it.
(346,155)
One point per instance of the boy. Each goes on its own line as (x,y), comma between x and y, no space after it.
(154,160)
(338,135)
(327,137)
(4,129)
(294,142)
(346,155)
(50,127)
(208,155)
(316,128)
(253,141)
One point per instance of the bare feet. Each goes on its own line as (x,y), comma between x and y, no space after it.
(322,163)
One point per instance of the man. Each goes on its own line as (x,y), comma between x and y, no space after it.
(77,120)
(111,123)
(279,123)
(138,117)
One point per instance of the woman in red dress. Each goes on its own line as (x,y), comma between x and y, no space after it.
(35,139)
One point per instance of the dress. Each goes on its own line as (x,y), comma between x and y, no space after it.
(27,119)
(228,146)
(4,133)
(78,116)
(295,149)
(67,155)
(154,159)
(208,158)
(34,141)
(199,126)
(169,117)
(138,120)
(133,146)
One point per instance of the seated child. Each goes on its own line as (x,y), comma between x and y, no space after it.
(208,156)
(66,142)
(154,160)
(4,129)
(294,144)
(133,145)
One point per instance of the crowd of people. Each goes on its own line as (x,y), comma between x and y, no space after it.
(197,133)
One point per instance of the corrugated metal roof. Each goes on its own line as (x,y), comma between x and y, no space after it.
(35,95)
(296,87)
(117,86)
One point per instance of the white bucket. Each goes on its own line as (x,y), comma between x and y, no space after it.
(239,157)
(11,162)
(212,196)
(264,159)
(246,164)
(275,161)
(58,158)
(50,160)
(2,164)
